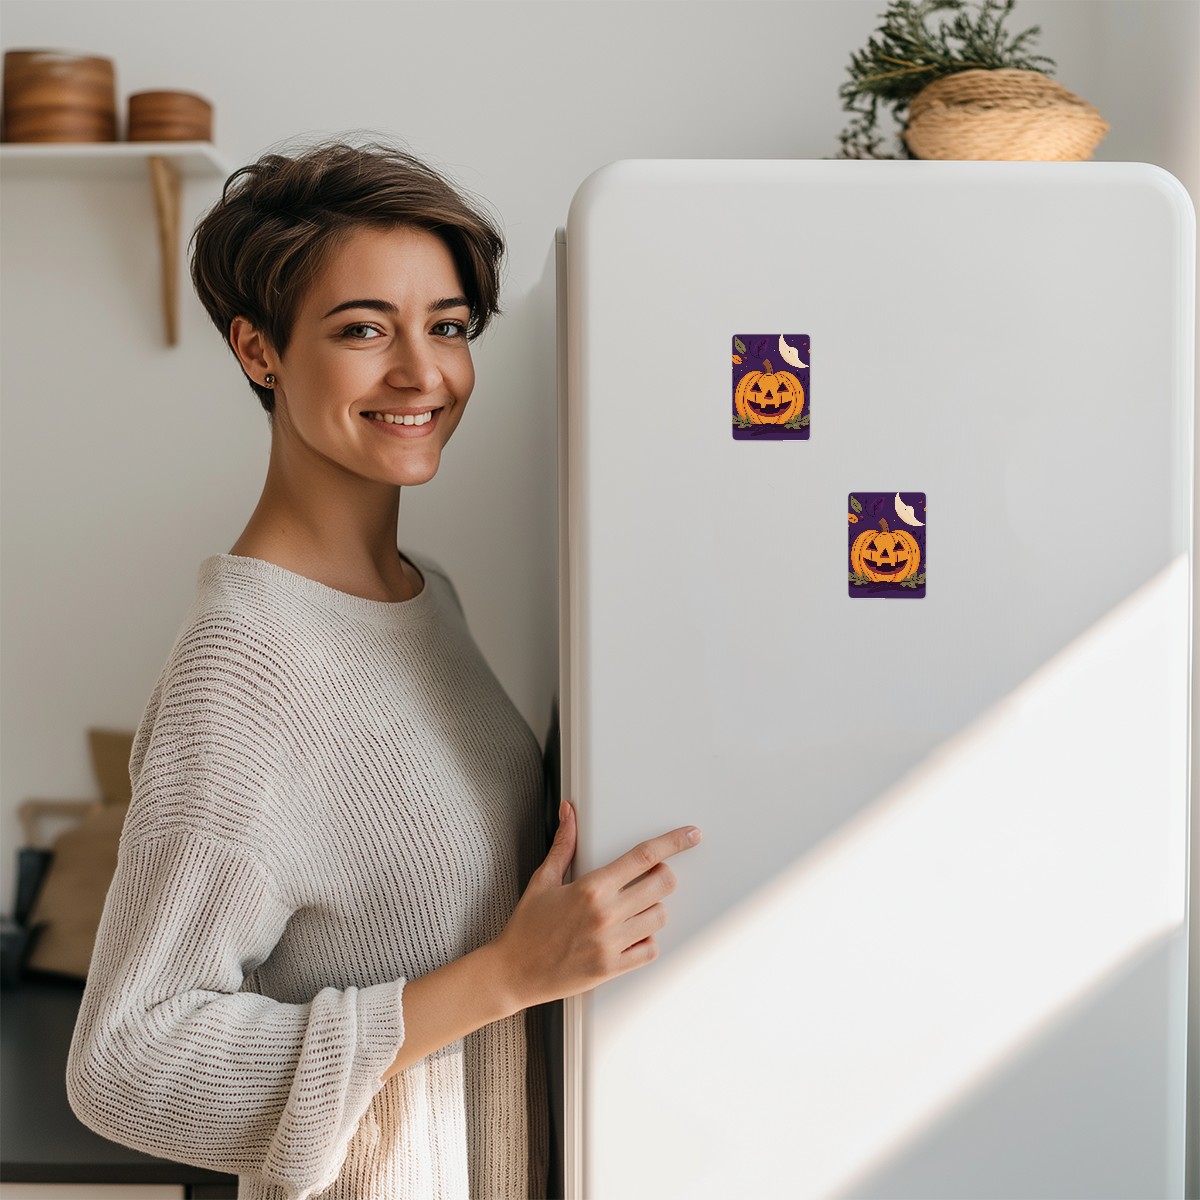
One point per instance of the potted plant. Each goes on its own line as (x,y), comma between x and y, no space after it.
(962,88)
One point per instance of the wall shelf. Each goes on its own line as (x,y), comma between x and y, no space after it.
(168,164)
(114,160)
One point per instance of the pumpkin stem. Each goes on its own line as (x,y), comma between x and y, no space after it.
(883,525)
(767,367)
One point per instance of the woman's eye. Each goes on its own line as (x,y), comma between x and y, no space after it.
(452,329)
(362,333)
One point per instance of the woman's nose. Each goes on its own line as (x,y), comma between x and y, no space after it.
(413,367)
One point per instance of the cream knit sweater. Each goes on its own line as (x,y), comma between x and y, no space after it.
(330,795)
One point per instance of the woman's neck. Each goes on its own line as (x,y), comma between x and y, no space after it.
(336,529)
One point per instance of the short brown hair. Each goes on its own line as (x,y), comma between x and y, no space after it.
(256,252)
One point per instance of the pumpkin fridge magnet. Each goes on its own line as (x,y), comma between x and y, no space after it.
(886,540)
(770,387)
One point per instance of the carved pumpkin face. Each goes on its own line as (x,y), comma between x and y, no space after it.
(769,397)
(885,555)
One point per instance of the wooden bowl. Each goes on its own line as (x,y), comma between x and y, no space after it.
(53,96)
(169,117)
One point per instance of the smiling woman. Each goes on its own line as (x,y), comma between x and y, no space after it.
(328,919)
(348,282)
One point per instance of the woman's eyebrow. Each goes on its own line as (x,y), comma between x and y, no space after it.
(449,302)
(386,306)
(383,306)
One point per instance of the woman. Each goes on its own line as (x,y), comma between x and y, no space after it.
(326,922)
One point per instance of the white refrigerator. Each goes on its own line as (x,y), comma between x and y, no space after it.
(876,495)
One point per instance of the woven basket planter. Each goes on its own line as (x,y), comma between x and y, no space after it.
(1004,115)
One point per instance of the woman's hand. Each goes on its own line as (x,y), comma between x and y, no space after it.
(562,939)
(565,938)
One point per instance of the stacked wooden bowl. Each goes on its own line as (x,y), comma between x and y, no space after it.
(169,117)
(55,96)
(51,96)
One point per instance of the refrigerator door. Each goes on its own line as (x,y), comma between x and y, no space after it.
(934,941)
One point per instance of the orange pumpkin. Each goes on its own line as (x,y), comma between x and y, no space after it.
(769,397)
(885,555)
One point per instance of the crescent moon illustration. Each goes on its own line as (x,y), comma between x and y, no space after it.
(790,354)
(906,512)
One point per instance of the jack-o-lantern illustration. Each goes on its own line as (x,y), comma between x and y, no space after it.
(885,555)
(769,397)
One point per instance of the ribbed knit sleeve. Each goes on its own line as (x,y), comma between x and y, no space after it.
(170,1055)
(171,1058)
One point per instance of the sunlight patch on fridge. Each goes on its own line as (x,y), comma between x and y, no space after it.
(887,974)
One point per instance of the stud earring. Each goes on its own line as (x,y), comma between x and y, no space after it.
(269,381)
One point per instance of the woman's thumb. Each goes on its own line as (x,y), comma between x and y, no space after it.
(562,849)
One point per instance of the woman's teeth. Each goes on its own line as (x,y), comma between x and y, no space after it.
(397,419)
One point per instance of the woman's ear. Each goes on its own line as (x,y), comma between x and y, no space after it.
(256,357)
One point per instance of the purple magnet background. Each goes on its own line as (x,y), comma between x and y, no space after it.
(874,506)
(760,346)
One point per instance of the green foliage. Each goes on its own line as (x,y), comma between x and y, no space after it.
(904,55)
(859,580)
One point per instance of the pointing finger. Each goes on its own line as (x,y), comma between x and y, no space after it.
(648,854)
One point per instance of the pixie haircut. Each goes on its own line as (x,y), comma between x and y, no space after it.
(256,252)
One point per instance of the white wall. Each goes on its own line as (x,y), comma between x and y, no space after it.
(124,463)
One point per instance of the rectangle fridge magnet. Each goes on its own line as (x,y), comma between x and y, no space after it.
(771,387)
(886,544)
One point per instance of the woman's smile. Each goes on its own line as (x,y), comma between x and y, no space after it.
(395,423)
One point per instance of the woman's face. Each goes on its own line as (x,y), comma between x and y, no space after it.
(378,370)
